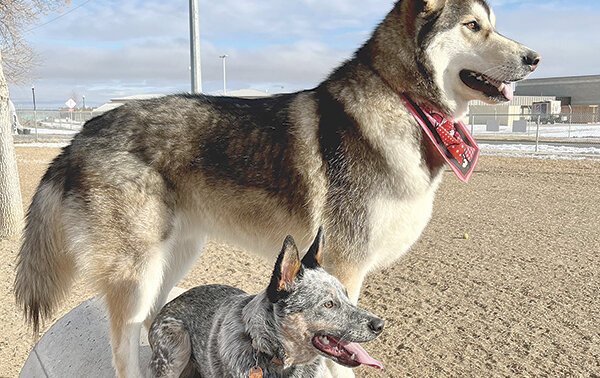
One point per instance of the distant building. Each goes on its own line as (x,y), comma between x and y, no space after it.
(506,113)
(116,102)
(571,90)
(248,93)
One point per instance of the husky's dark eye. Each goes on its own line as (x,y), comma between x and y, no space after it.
(473,26)
(329,304)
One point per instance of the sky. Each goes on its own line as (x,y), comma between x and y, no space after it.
(104,49)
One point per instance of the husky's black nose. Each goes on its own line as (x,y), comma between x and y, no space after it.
(376,325)
(532,59)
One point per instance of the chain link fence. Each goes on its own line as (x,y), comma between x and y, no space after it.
(562,125)
(53,119)
(64,124)
(55,125)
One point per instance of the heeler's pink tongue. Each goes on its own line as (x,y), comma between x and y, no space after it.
(361,355)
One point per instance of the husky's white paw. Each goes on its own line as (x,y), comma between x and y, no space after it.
(337,371)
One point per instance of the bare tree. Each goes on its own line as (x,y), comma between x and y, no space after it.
(15,17)
(11,208)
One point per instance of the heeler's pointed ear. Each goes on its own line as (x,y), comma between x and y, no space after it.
(286,268)
(314,256)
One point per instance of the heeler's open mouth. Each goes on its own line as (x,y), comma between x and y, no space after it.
(492,88)
(344,352)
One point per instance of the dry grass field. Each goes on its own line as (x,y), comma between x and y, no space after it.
(519,297)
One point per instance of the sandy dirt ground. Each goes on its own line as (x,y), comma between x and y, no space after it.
(519,297)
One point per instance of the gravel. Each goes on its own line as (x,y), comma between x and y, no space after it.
(520,296)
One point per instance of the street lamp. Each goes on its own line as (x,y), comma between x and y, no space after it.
(34,113)
(195,48)
(224,56)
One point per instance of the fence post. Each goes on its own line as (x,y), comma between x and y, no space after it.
(570,119)
(471,118)
(537,134)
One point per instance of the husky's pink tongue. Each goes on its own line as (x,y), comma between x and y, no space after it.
(508,91)
(361,355)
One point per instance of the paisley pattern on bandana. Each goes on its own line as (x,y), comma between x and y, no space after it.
(452,139)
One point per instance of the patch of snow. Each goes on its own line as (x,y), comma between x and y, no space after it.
(43,144)
(544,152)
(546,131)
(54,131)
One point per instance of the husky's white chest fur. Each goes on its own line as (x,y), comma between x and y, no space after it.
(396,224)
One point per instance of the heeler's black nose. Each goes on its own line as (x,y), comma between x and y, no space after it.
(376,325)
(532,59)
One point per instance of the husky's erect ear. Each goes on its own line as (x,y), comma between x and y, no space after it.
(286,268)
(415,12)
(415,7)
(314,257)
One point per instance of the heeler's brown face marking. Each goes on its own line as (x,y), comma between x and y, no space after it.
(297,340)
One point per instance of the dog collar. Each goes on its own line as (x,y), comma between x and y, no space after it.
(452,139)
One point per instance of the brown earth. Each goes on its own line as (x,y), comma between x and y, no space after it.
(520,296)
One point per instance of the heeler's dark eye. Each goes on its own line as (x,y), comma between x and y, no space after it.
(329,304)
(473,26)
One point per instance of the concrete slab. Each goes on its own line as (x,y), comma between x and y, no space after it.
(519,126)
(78,345)
(492,125)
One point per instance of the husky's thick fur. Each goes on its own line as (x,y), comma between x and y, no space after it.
(129,203)
(305,313)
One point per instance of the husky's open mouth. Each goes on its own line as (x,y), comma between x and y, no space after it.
(344,352)
(494,89)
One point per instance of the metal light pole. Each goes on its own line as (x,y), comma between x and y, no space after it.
(82,109)
(224,57)
(195,48)
(34,113)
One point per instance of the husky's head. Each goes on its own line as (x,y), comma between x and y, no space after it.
(314,313)
(445,53)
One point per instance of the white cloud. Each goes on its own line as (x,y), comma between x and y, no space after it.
(114,48)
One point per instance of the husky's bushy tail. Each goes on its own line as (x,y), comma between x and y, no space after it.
(45,271)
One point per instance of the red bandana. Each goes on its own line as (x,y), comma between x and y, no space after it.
(452,139)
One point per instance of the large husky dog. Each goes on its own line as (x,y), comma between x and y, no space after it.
(129,203)
(285,331)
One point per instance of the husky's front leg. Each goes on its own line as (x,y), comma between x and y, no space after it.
(338,371)
(351,275)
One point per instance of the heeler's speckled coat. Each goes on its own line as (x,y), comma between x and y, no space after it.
(304,315)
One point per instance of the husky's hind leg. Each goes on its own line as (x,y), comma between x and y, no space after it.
(129,301)
(184,252)
(128,245)
(171,349)
(135,299)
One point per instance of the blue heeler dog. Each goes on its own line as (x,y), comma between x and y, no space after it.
(285,331)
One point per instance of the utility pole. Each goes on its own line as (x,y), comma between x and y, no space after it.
(195,48)
(82,109)
(34,113)
(224,57)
